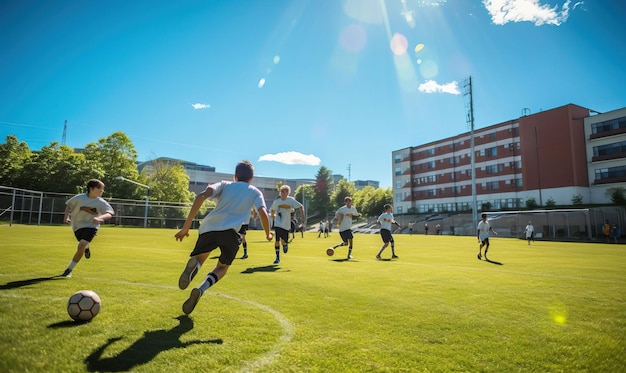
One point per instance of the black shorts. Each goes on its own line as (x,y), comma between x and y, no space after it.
(228,241)
(281,233)
(243,229)
(86,234)
(386,235)
(346,235)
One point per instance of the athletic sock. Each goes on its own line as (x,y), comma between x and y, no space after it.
(277,250)
(209,281)
(72,265)
(381,251)
(350,251)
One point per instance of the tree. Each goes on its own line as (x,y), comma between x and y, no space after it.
(617,195)
(342,190)
(531,203)
(371,201)
(321,199)
(305,194)
(550,203)
(13,156)
(577,199)
(57,168)
(169,182)
(116,156)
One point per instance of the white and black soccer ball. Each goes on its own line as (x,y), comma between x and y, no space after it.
(83,305)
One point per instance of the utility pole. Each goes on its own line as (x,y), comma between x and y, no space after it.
(349,167)
(470,122)
(64,133)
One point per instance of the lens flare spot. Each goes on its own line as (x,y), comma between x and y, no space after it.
(398,44)
(419,61)
(353,38)
(419,47)
(261,83)
(429,69)
(276,59)
(558,314)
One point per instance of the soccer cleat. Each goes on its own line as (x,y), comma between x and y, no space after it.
(350,257)
(276,261)
(245,256)
(479,256)
(394,257)
(191,302)
(190,271)
(378,257)
(285,249)
(87,253)
(67,273)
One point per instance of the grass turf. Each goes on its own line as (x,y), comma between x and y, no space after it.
(549,306)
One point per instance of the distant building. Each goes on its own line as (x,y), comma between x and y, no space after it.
(360,184)
(605,136)
(201,175)
(543,156)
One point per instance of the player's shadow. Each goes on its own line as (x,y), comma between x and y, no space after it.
(269,268)
(339,260)
(30,281)
(144,349)
(492,262)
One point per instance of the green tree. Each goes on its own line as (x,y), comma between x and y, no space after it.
(342,190)
(550,203)
(577,199)
(13,156)
(169,182)
(617,196)
(371,201)
(531,203)
(321,200)
(57,168)
(116,156)
(305,194)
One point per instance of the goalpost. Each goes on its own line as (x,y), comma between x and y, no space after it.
(24,202)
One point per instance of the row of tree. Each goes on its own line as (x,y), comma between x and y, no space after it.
(60,169)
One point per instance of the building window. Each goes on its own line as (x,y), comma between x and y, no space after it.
(616,148)
(398,184)
(398,171)
(608,125)
(398,197)
(492,136)
(398,158)
(491,152)
(430,152)
(432,192)
(494,169)
(492,185)
(431,164)
(610,173)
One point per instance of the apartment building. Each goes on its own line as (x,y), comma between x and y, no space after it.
(605,136)
(540,156)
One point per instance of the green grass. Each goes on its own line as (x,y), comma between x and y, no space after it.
(550,307)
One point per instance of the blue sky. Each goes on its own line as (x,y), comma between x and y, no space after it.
(295,85)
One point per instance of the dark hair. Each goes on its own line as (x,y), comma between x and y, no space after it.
(387,206)
(244,171)
(483,215)
(93,184)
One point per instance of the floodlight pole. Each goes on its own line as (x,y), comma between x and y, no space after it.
(145,217)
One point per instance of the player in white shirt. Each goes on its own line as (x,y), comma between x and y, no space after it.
(344,217)
(85,212)
(280,212)
(386,220)
(530,232)
(483,235)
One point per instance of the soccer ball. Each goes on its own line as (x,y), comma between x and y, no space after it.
(83,305)
(330,251)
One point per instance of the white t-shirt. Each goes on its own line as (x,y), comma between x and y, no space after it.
(282,209)
(234,201)
(345,215)
(83,219)
(483,230)
(385,219)
(529,230)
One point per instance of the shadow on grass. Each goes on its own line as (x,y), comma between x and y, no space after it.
(67,324)
(30,281)
(492,262)
(339,260)
(269,268)
(144,349)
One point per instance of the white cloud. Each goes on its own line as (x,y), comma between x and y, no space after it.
(200,106)
(505,11)
(292,158)
(431,86)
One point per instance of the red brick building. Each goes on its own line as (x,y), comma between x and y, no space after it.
(540,156)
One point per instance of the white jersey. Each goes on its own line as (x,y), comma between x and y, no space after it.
(483,230)
(345,215)
(529,230)
(83,219)
(282,209)
(385,219)
(235,199)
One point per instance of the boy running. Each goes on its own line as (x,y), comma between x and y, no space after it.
(280,212)
(344,217)
(483,235)
(386,220)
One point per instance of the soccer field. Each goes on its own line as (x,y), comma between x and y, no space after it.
(547,307)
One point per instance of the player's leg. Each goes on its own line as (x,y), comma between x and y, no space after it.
(84,237)
(393,248)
